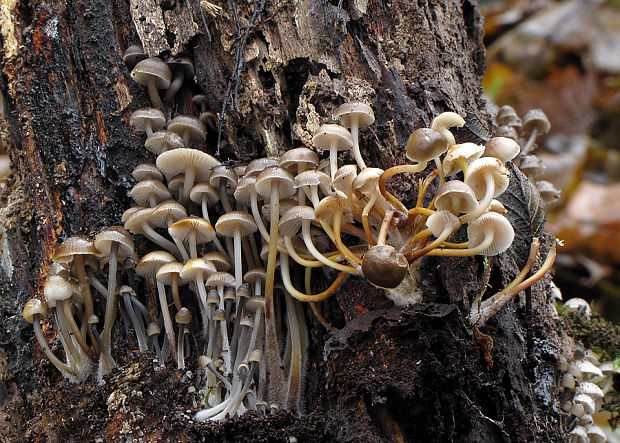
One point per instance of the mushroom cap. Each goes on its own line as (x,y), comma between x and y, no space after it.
(297,158)
(577,304)
(34,307)
(221,278)
(213,298)
(424,144)
(292,220)
(255,356)
(209,118)
(184,64)
(175,183)
(247,322)
(178,160)
(152,329)
(155,68)
(503,148)
(255,275)
(441,221)
(531,165)
(204,189)
(225,173)
(595,434)
(76,245)
(240,169)
(145,189)
(505,114)
(200,99)
(145,171)
(196,267)
(256,166)
(507,131)
(56,289)
(133,54)
(497,206)
(229,294)
(167,271)
(183,317)
(347,112)
(221,262)
(162,141)
(536,118)
(165,211)
(491,223)
(480,169)
(140,117)
(150,263)
(182,229)
(131,211)
(314,178)
(135,221)
(548,191)
(383,266)
(246,187)
(455,196)
(447,120)
(586,401)
(587,368)
(284,205)
(255,303)
(115,234)
(588,388)
(243,291)
(219,315)
(368,180)
(236,221)
(333,135)
(182,123)
(344,178)
(467,151)
(330,205)
(277,176)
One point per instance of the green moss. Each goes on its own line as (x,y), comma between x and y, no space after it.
(598,334)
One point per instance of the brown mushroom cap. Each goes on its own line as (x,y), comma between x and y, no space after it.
(276,176)
(424,144)
(183,317)
(152,67)
(166,211)
(181,229)
(204,189)
(245,189)
(142,116)
(184,64)
(146,171)
(209,118)
(221,262)
(115,234)
(144,190)
(178,160)
(502,148)
(76,245)
(349,111)
(536,118)
(302,157)
(227,175)
(197,267)
(235,221)
(255,275)
(491,223)
(221,278)
(333,135)
(258,165)
(151,262)
(182,123)
(456,197)
(133,54)
(383,266)
(167,271)
(34,307)
(467,151)
(162,141)
(134,223)
(130,212)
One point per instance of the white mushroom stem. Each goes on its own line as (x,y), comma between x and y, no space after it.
(484,203)
(181,248)
(224,197)
(148,128)
(305,230)
(165,313)
(137,326)
(296,364)
(65,311)
(162,242)
(530,141)
(63,330)
(193,247)
(255,329)
(238,263)
(188,182)
(80,270)
(224,332)
(205,215)
(181,347)
(154,94)
(62,367)
(333,158)
(174,87)
(356,143)
(110,307)
(488,308)
(258,218)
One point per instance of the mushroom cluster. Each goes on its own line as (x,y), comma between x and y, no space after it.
(234,244)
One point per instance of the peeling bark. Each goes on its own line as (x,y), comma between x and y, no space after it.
(388,374)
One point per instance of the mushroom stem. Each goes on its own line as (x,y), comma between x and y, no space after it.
(163,303)
(238,263)
(174,287)
(68,315)
(63,330)
(62,367)
(365,213)
(385,225)
(414,255)
(313,305)
(439,170)
(162,242)
(78,264)
(110,307)
(193,247)
(333,159)
(286,279)
(205,215)
(305,230)
(154,94)
(180,348)
(530,141)
(296,364)
(350,256)
(488,240)
(258,218)
(483,204)
(389,173)
(491,306)
(137,326)
(356,144)
(290,248)
(188,180)
(224,197)
(174,86)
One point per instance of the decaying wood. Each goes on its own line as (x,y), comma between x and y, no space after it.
(413,374)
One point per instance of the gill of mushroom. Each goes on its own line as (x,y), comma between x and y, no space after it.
(139,222)
(147,120)
(334,138)
(34,311)
(487,177)
(182,68)
(188,127)
(194,231)
(205,195)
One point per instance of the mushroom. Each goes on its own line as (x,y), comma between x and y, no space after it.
(535,123)
(225,180)
(502,148)
(147,120)
(446,120)
(488,178)
(141,222)
(199,270)
(205,195)
(154,74)
(183,318)
(460,156)
(335,138)
(297,161)
(149,192)
(456,197)
(188,127)
(169,274)
(442,224)
(133,54)
(33,312)
(145,171)
(332,209)
(162,141)
(236,224)
(182,68)
(127,293)
(355,115)
(193,230)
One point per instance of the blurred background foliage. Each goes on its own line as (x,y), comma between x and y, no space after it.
(564,57)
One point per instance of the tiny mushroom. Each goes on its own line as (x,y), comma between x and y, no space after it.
(155,74)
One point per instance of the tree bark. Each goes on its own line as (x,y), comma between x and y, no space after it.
(387,374)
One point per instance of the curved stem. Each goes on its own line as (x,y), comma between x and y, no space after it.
(174,286)
(320,257)
(422,211)
(61,366)
(488,240)
(315,306)
(530,142)
(154,94)
(78,262)
(224,197)
(188,183)
(174,86)
(356,143)
(365,213)
(165,313)
(205,215)
(389,173)
(483,204)
(162,242)
(350,256)
(286,279)
(258,218)
(414,255)
(68,315)
(290,249)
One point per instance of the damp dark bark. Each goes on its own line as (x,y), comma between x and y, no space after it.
(274,70)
